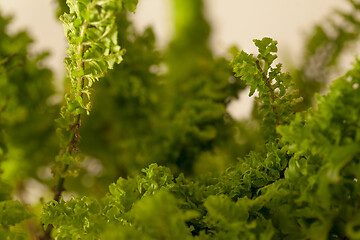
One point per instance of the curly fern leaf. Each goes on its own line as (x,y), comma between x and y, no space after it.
(276,96)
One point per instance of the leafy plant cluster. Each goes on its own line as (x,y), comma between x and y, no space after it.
(289,172)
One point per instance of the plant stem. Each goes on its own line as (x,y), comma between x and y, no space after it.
(72,147)
(270,92)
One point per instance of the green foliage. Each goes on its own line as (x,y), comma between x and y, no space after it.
(12,213)
(158,217)
(316,196)
(283,174)
(327,147)
(75,219)
(26,117)
(269,198)
(126,191)
(229,220)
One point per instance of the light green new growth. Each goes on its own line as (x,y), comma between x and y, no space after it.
(92,35)
(93,49)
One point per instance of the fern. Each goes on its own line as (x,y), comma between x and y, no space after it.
(91,31)
(276,97)
(288,173)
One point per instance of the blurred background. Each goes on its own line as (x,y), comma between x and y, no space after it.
(234,22)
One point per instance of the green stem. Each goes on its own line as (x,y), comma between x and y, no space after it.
(270,93)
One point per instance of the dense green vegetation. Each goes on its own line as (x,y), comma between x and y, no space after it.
(144,142)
